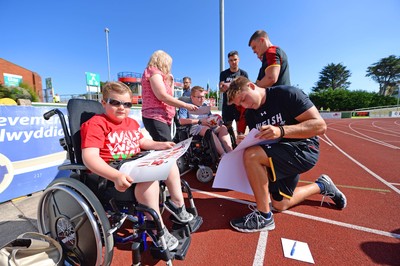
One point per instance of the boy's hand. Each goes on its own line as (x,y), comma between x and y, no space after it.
(166,145)
(123,182)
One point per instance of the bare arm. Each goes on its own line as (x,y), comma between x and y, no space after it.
(149,144)
(311,124)
(190,121)
(93,161)
(271,76)
(158,87)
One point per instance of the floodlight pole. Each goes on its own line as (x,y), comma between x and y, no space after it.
(108,53)
(221,35)
(221,44)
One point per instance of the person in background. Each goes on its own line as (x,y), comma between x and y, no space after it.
(159,105)
(115,136)
(232,112)
(187,81)
(56,98)
(275,65)
(286,116)
(201,122)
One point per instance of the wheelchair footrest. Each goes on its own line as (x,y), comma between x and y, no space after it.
(160,254)
(183,247)
(195,223)
(187,228)
(179,253)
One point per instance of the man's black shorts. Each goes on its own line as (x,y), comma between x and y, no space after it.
(288,160)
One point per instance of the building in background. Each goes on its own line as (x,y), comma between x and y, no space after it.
(134,81)
(12,75)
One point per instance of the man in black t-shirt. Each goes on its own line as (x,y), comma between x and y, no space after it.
(232,112)
(285,116)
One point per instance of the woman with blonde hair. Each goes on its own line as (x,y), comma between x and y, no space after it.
(159,105)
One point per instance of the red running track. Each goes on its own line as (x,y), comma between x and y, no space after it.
(362,156)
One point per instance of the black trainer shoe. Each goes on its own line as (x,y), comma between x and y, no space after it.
(253,222)
(180,213)
(332,191)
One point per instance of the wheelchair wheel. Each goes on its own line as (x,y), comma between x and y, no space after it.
(204,174)
(69,212)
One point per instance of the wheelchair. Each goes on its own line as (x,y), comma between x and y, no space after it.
(84,211)
(201,154)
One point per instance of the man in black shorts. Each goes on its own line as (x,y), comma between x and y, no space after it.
(286,114)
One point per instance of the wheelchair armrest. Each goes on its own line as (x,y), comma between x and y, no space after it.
(73,166)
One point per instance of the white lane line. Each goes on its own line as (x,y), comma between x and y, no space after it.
(327,142)
(377,132)
(347,225)
(310,217)
(261,248)
(367,139)
(396,132)
(365,168)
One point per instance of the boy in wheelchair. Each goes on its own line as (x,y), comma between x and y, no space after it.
(201,121)
(113,136)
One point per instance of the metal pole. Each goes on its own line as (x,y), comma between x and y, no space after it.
(108,53)
(221,35)
(221,44)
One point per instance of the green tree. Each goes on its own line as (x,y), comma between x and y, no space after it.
(333,76)
(212,94)
(387,73)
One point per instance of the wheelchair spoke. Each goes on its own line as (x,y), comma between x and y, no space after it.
(56,209)
(79,220)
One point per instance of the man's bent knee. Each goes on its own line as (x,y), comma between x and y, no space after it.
(255,154)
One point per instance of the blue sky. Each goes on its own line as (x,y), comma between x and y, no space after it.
(65,39)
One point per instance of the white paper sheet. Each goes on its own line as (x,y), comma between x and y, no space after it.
(202,110)
(156,165)
(300,252)
(231,173)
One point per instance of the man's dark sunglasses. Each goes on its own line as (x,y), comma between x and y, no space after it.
(117,103)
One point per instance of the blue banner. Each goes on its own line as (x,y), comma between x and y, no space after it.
(30,152)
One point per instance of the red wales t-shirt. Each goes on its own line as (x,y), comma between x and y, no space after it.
(115,141)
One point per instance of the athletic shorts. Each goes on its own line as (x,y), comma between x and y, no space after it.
(288,160)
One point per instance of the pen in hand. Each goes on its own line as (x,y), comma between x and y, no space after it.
(293,248)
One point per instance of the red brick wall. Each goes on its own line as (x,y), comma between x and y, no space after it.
(31,78)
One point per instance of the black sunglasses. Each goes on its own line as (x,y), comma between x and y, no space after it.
(117,103)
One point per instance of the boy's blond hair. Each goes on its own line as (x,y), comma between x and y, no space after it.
(117,87)
(196,88)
